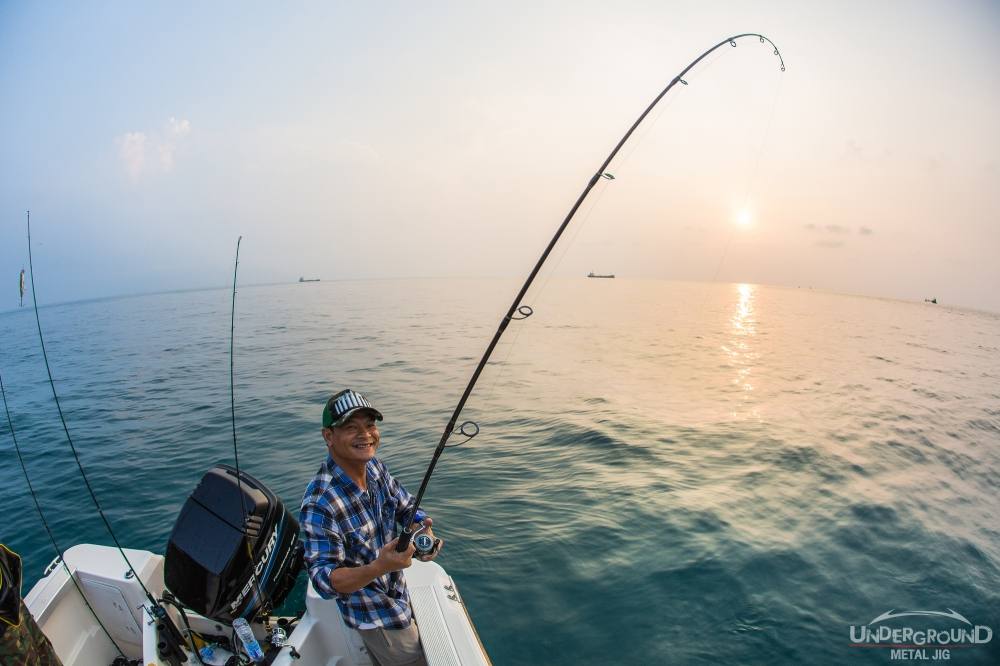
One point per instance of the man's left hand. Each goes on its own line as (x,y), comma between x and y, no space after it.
(439,542)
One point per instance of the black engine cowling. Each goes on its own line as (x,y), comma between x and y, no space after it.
(234,551)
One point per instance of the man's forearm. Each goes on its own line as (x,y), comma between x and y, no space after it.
(346,580)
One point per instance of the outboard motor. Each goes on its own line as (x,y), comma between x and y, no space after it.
(223,566)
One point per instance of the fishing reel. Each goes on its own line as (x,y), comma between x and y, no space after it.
(424,544)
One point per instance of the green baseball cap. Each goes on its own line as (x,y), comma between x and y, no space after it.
(343,405)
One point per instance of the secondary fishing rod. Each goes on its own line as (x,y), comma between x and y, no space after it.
(45,523)
(517,311)
(172,639)
(265,602)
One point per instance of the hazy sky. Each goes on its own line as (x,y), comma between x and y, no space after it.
(356,140)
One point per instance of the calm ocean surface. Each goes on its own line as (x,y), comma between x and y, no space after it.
(667,472)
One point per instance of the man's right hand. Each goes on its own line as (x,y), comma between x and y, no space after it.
(347,580)
(389,560)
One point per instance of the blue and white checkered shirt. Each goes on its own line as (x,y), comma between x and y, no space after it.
(345,527)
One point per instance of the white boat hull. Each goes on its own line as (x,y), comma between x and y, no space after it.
(320,637)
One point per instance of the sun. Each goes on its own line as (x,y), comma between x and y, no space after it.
(744,219)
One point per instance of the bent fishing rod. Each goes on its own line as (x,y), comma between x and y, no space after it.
(265,602)
(517,311)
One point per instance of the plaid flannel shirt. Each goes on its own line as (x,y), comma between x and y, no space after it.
(345,527)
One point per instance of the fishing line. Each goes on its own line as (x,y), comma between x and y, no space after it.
(619,167)
(648,127)
(755,172)
(537,297)
(45,524)
(159,614)
(571,242)
(752,178)
(517,311)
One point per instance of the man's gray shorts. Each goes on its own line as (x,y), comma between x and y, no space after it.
(394,647)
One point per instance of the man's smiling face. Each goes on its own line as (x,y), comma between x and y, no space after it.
(354,441)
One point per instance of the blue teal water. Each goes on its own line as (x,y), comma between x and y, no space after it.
(667,472)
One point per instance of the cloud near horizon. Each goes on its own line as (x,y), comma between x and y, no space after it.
(133,148)
(838,229)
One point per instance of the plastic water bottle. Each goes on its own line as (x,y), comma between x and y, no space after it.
(207,654)
(214,655)
(250,643)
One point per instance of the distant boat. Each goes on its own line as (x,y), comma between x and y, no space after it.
(595,275)
(931,300)
(302,279)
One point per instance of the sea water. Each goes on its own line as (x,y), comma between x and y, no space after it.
(667,472)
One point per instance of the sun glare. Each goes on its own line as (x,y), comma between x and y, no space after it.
(743,218)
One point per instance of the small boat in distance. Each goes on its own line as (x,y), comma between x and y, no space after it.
(302,279)
(595,275)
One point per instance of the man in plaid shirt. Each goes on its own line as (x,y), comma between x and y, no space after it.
(350,514)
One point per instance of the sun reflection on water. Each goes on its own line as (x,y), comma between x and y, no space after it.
(740,348)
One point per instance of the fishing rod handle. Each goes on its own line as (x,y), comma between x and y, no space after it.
(404,539)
